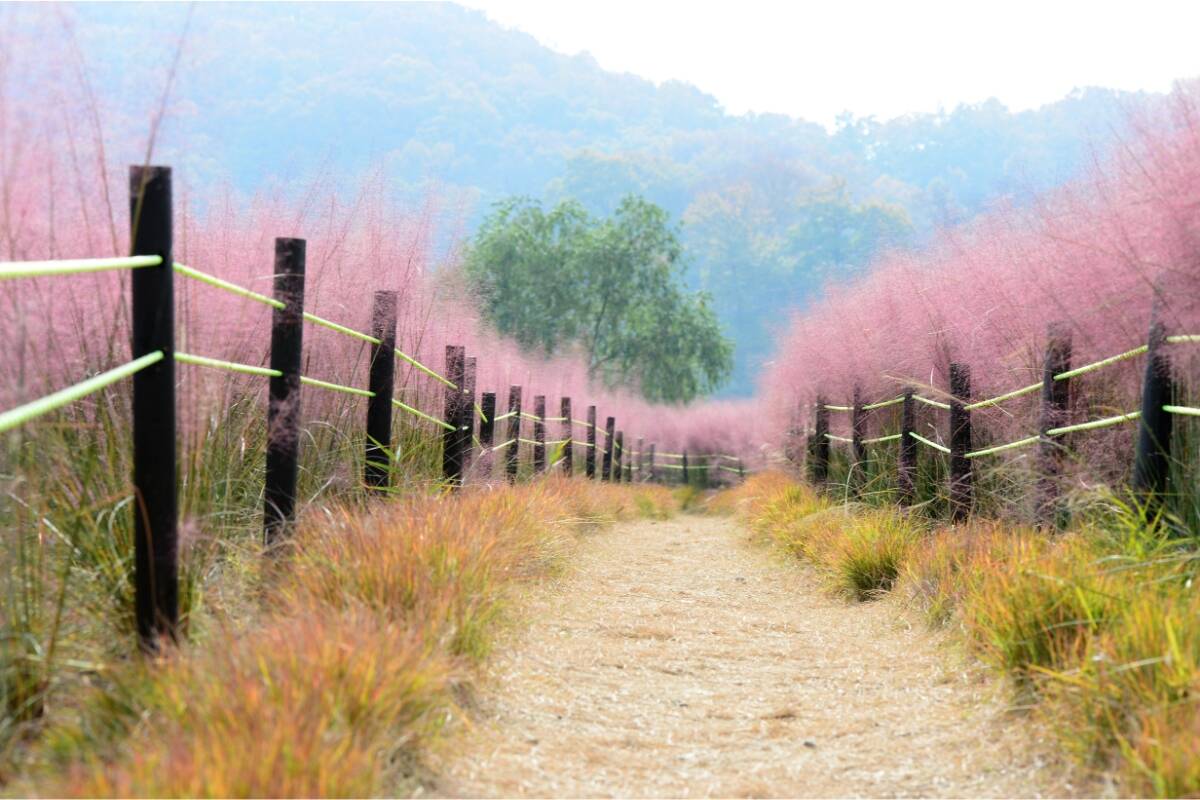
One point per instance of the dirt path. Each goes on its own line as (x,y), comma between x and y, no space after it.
(676,659)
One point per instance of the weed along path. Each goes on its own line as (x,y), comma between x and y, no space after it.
(677,659)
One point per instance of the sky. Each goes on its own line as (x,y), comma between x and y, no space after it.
(817,59)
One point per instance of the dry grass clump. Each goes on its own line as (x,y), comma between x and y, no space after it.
(1099,628)
(347,667)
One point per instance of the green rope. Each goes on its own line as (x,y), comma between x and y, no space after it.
(1184,338)
(834,438)
(1098,423)
(934,403)
(421,414)
(878,439)
(335,387)
(1104,362)
(584,424)
(503,417)
(1001,448)
(555,419)
(1186,410)
(24,413)
(925,441)
(71,266)
(669,466)
(479,410)
(504,445)
(884,404)
(232,288)
(1033,387)
(424,368)
(333,326)
(729,469)
(838,408)
(216,363)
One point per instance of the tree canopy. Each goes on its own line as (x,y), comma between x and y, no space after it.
(611,286)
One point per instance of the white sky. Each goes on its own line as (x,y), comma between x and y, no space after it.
(816,59)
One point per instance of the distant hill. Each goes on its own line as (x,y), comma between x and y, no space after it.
(773,206)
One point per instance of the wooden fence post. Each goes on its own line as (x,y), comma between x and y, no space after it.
(466,444)
(618,457)
(539,433)
(686,481)
(651,462)
(452,461)
(641,460)
(610,427)
(820,445)
(381,381)
(741,470)
(961,478)
(156,532)
(858,432)
(907,468)
(283,409)
(513,450)
(589,458)
(487,432)
(568,445)
(1056,397)
(1152,458)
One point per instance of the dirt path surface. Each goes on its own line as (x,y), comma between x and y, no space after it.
(678,660)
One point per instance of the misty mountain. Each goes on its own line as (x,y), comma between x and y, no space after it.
(772,207)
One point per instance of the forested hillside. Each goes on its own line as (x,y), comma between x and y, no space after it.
(772,207)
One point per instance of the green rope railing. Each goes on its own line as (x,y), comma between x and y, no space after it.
(342,329)
(884,403)
(934,403)
(1184,338)
(838,408)
(55,400)
(1185,410)
(419,413)
(229,366)
(1002,447)
(72,266)
(335,387)
(991,401)
(924,441)
(1096,423)
(431,373)
(224,285)
(838,438)
(1104,362)
(890,438)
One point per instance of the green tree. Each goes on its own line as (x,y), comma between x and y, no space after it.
(561,278)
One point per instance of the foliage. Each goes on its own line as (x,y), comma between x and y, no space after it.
(1096,627)
(561,278)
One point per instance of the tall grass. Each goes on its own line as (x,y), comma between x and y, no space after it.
(1096,627)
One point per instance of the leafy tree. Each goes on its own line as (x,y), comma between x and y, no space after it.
(612,286)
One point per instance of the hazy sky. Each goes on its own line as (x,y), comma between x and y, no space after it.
(816,59)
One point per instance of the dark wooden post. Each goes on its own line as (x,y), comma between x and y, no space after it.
(641,460)
(156,532)
(685,468)
(589,458)
(1056,397)
(568,446)
(452,455)
(651,462)
(820,445)
(466,443)
(907,472)
(487,431)
(610,427)
(741,470)
(283,409)
(618,453)
(858,432)
(514,433)
(539,433)
(961,478)
(1152,458)
(381,381)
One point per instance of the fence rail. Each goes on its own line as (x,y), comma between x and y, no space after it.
(152,368)
(1150,473)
